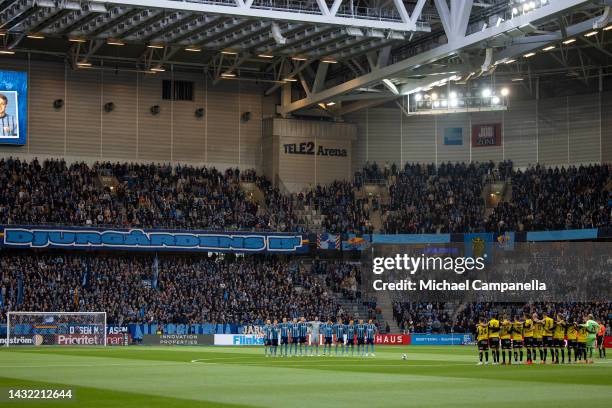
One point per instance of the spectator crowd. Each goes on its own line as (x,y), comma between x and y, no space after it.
(444,318)
(421,198)
(168,289)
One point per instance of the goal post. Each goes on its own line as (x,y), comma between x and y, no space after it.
(56,329)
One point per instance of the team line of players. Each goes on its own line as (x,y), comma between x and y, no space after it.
(534,334)
(304,337)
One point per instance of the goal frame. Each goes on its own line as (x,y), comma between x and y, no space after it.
(17,313)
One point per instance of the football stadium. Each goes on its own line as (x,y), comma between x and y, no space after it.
(326,203)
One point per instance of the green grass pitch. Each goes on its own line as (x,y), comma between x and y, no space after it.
(243,377)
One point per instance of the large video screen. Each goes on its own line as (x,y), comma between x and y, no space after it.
(13,107)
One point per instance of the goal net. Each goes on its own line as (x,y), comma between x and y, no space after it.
(56,329)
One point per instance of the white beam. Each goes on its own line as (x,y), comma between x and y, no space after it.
(335,6)
(418,9)
(287,14)
(323,7)
(462,17)
(401,9)
(445,17)
(548,11)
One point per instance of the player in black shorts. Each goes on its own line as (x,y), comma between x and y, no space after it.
(559,338)
(361,330)
(493,326)
(267,330)
(284,332)
(482,335)
(517,338)
(506,339)
(350,337)
(601,338)
(328,337)
(303,327)
(295,337)
(549,326)
(528,329)
(572,337)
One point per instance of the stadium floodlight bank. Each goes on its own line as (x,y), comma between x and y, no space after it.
(56,328)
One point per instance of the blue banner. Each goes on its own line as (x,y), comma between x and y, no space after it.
(476,244)
(152,240)
(453,136)
(411,239)
(563,235)
(419,339)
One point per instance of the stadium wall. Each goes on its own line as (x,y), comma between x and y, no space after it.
(555,131)
(82,130)
(302,153)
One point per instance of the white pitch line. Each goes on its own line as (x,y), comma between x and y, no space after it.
(296,364)
(156,364)
(277,363)
(197,360)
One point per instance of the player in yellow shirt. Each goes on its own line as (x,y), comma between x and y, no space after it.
(517,339)
(581,341)
(549,326)
(538,333)
(482,333)
(506,340)
(559,339)
(494,338)
(528,337)
(572,336)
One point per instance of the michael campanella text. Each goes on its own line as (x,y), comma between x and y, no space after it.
(466,285)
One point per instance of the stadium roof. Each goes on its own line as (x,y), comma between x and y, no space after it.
(356,53)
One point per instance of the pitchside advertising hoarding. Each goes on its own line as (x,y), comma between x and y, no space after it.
(258,340)
(177,340)
(392,339)
(238,340)
(441,339)
(380,339)
(68,340)
(66,335)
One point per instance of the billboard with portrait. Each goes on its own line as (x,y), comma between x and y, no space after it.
(13,107)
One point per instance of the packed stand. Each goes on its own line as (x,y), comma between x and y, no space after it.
(427,317)
(344,213)
(422,198)
(430,199)
(340,277)
(279,207)
(556,199)
(170,289)
(146,196)
(431,317)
